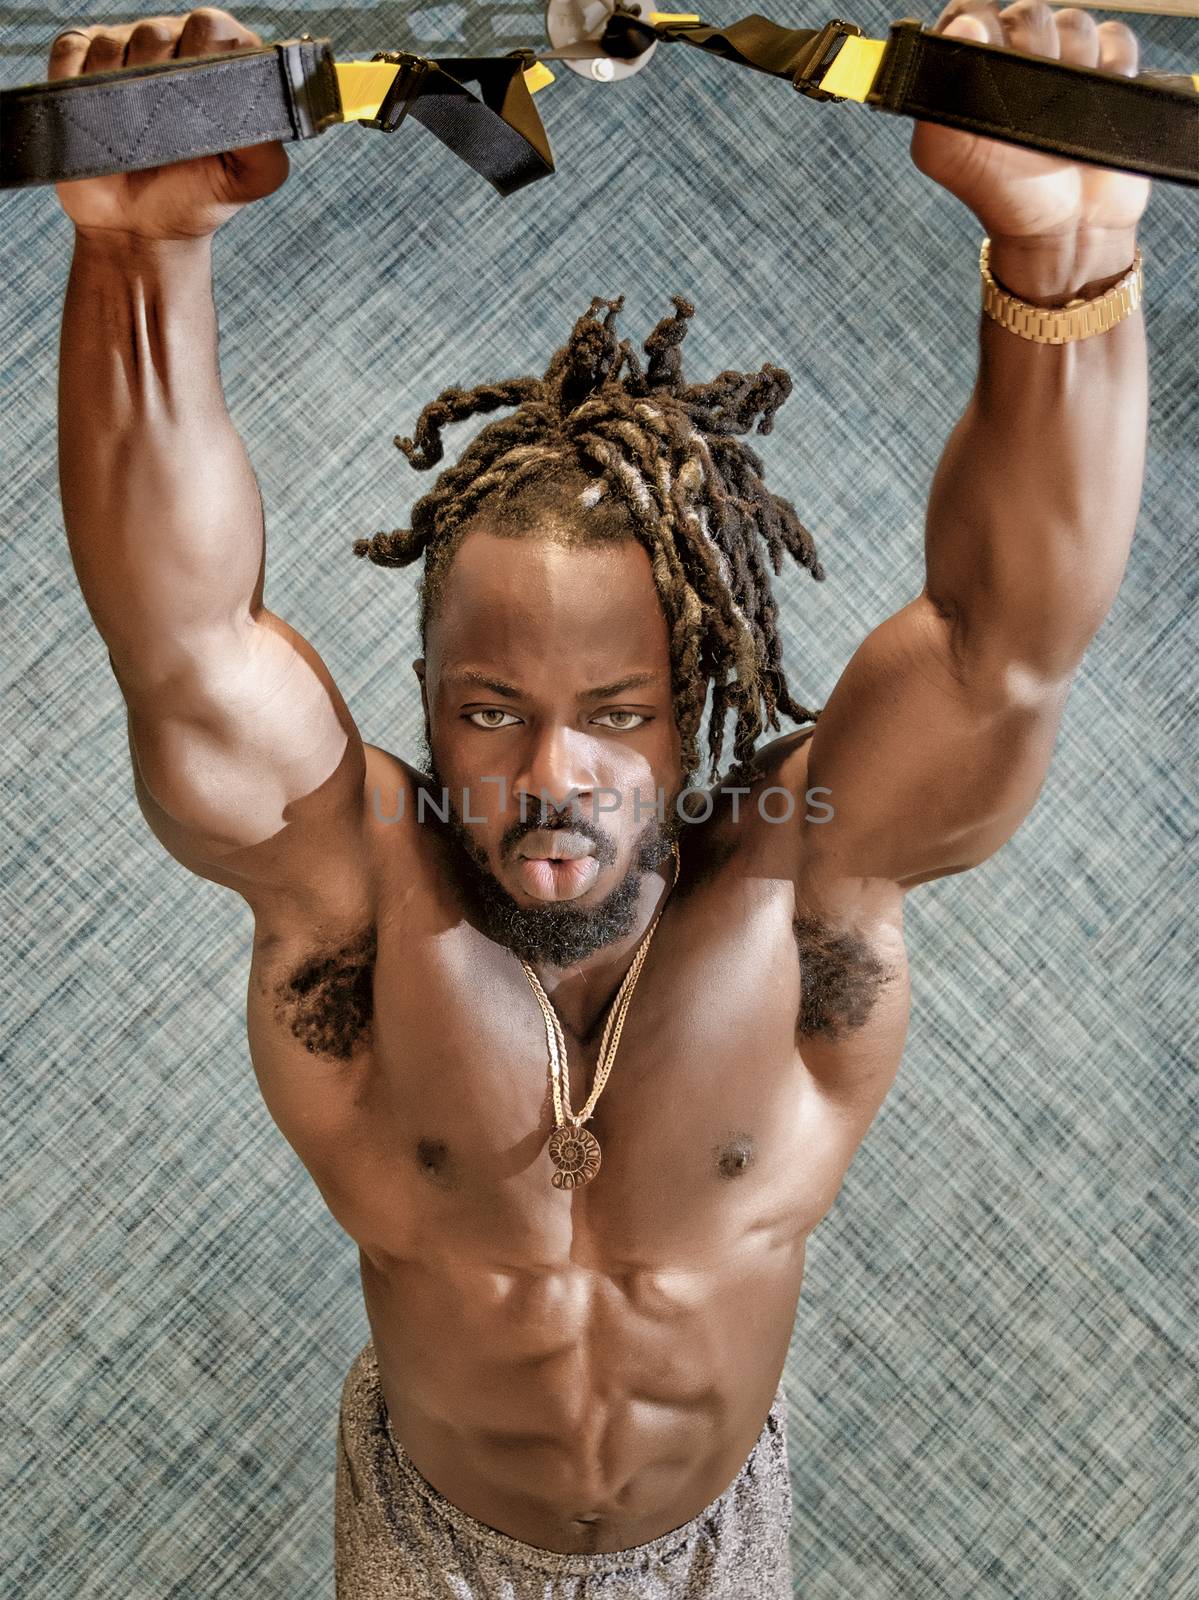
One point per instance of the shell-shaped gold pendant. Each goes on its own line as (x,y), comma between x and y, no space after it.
(576,1154)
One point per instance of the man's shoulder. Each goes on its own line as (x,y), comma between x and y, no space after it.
(767,787)
(747,821)
(388,777)
(783,761)
(398,802)
(402,808)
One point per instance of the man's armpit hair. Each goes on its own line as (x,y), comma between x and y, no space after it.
(327,1000)
(841,978)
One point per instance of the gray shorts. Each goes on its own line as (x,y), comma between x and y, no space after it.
(396,1536)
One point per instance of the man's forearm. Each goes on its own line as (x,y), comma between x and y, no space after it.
(162,511)
(1034,503)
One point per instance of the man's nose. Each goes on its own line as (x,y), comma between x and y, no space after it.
(557,768)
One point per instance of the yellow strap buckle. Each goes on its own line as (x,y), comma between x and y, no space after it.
(537,76)
(820,55)
(854,70)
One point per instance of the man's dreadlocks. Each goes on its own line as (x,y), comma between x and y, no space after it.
(675,479)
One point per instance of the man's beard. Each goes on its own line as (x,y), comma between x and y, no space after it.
(561,933)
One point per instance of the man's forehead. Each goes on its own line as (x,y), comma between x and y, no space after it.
(510,603)
(544,553)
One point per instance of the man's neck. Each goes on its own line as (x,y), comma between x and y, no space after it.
(582,993)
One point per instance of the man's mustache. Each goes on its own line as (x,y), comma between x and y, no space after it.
(546,818)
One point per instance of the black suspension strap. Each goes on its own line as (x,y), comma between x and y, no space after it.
(132,118)
(1147,124)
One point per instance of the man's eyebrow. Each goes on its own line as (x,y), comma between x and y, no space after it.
(482,681)
(605,691)
(635,680)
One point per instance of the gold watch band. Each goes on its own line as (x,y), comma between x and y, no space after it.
(1077,319)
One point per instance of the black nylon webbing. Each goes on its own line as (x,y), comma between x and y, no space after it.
(1143,126)
(129,119)
(500,136)
(132,118)
(1101,118)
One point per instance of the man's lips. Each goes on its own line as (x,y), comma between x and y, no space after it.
(550,845)
(562,879)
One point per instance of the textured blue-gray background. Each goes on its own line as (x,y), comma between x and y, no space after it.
(993,1372)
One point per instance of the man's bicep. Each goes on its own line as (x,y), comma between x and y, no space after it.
(927,769)
(249,768)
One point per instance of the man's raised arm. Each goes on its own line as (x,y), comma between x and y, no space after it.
(247,763)
(1033,506)
(939,734)
(162,510)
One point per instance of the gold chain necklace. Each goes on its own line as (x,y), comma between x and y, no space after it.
(575,1150)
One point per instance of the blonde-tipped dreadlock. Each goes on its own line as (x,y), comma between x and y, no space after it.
(675,479)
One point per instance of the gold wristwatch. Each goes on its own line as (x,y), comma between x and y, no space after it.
(1077,319)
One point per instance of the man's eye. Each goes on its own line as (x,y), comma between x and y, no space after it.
(492,711)
(638,718)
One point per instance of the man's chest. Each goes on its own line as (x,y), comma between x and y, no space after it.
(410,1071)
